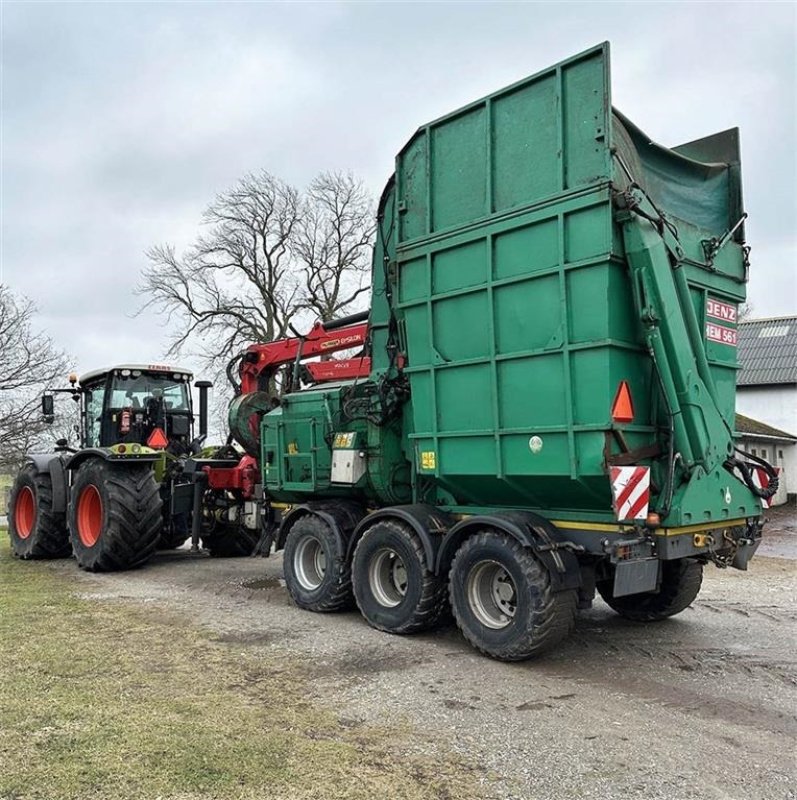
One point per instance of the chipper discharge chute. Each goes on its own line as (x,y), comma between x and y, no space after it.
(550,400)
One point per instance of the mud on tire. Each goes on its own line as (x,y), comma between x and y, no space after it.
(680,585)
(317,572)
(502,599)
(35,530)
(395,589)
(115,515)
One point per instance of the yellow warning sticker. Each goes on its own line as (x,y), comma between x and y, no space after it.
(428,460)
(293,448)
(343,440)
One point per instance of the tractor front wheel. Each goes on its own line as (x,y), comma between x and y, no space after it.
(36,531)
(114,515)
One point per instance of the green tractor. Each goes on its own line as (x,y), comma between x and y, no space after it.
(128,490)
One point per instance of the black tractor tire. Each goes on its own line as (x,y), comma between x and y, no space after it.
(317,572)
(394,587)
(36,531)
(502,599)
(115,515)
(680,585)
(230,540)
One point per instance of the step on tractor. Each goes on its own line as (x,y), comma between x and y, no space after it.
(125,492)
(541,403)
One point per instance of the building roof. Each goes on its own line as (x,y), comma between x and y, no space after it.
(768,351)
(752,427)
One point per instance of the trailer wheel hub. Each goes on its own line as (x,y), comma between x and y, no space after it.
(310,563)
(492,594)
(387,576)
(25,512)
(89,516)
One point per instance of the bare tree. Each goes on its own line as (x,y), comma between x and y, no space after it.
(334,243)
(235,283)
(29,363)
(267,254)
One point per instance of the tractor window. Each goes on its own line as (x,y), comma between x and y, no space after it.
(94,396)
(133,391)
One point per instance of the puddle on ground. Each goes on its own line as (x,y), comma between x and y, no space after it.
(264,583)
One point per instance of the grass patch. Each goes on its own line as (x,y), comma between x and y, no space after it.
(110,700)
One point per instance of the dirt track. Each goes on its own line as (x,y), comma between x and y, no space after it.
(700,706)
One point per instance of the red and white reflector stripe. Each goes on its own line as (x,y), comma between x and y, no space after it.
(761,480)
(630,491)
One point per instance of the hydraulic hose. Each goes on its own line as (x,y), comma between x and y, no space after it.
(747,474)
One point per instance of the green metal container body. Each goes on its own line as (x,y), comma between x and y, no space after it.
(505,302)
(513,297)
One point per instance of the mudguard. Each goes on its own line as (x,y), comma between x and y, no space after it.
(56,465)
(108,455)
(532,531)
(342,518)
(428,523)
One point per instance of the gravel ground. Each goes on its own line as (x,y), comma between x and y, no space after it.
(700,706)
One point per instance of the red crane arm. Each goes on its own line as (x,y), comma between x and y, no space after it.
(263,359)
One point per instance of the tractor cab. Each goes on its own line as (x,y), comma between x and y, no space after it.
(137,404)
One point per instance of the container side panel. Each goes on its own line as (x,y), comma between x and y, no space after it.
(461,328)
(531,393)
(586,121)
(459,268)
(516,303)
(526,249)
(459,169)
(526,153)
(413,181)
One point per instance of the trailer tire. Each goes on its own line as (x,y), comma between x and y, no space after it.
(230,540)
(317,572)
(35,530)
(680,585)
(114,515)
(502,598)
(394,588)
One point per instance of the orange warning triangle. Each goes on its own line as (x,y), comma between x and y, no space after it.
(157,439)
(623,406)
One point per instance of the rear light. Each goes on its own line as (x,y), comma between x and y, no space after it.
(653,520)
(121,449)
(623,406)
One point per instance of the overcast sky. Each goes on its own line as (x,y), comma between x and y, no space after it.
(121,121)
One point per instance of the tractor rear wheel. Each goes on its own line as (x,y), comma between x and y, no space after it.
(317,572)
(36,531)
(114,515)
(680,585)
(502,599)
(395,589)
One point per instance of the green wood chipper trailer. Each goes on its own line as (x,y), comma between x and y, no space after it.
(548,407)
(543,406)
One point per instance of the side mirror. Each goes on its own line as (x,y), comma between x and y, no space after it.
(48,408)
